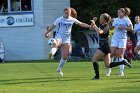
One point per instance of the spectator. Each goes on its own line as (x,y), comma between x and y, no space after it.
(137,32)
(129,48)
(3,8)
(25,8)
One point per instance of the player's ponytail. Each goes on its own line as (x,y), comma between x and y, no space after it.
(73,13)
(127,11)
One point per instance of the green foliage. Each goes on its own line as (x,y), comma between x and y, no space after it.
(90,8)
(87,9)
(41,77)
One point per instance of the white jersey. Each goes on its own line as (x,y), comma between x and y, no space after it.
(122,34)
(137,29)
(63,32)
(65,25)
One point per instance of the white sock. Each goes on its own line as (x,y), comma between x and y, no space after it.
(109,69)
(53,50)
(121,66)
(61,64)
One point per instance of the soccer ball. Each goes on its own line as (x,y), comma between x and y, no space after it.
(52,42)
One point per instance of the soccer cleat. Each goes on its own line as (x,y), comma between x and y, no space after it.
(60,71)
(50,56)
(96,78)
(108,72)
(126,63)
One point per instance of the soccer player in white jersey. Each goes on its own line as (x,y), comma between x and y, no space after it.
(119,39)
(63,34)
(137,31)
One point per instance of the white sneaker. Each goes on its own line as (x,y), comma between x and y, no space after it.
(60,71)
(121,74)
(108,72)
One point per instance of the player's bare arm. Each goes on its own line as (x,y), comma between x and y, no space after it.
(47,34)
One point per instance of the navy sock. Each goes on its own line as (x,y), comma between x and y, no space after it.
(96,68)
(114,64)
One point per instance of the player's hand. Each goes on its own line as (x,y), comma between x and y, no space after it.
(47,34)
(121,28)
(92,22)
(95,19)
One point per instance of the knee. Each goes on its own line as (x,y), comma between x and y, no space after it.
(107,65)
(112,55)
(94,60)
(65,58)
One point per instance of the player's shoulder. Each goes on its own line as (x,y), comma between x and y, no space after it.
(127,18)
(137,25)
(116,19)
(72,18)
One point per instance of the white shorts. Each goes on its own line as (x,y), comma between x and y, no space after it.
(120,43)
(63,38)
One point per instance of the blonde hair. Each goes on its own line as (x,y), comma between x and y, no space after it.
(73,11)
(127,11)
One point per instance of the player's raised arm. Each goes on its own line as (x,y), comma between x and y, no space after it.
(47,34)
(95,27)
(84,25)
(74,15)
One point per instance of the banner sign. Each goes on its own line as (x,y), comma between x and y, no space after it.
(16,20)
(93,39)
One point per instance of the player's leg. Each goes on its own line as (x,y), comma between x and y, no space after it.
(95,58)
(114,64)
(136,49)
(122,46)
(121,58)
(130,55)
(65,54)
(125,57)
(113,51)
(54,49)
(114,45)
(58,39)
(139,51)
(107,60)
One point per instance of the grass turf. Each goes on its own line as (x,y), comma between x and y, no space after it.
(41,77)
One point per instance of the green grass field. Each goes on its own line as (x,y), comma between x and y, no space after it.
(41,77)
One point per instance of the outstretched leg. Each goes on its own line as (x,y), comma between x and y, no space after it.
(65,53)
(95,58)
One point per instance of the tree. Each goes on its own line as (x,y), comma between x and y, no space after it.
(87,9)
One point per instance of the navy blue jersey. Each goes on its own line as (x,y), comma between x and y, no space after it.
(104,40)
